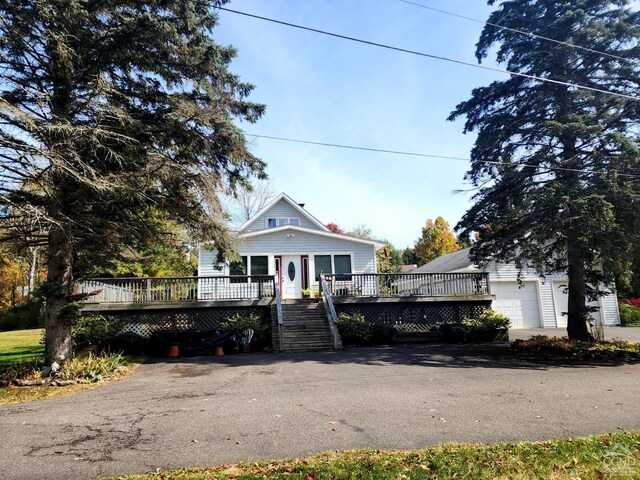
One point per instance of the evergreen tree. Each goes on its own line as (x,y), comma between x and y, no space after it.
(559,200)
(409,256)
(437,239)
(108,109)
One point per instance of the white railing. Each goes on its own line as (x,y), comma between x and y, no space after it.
(279,311)
(331,311)
(407,284)
(177,289)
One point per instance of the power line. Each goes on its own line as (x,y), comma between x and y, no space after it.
(443,157)
(427,55)
(515,30)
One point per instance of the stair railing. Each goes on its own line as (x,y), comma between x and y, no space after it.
(279,311)
(331,311)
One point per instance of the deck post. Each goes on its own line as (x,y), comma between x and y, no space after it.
(149,299)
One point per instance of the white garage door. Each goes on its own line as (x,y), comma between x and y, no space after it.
(520,305)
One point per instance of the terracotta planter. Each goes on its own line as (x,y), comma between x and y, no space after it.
(174,351)
(219,352)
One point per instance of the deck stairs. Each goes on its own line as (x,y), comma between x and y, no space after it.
(305,327)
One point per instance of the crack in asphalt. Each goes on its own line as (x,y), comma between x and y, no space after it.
(96,443)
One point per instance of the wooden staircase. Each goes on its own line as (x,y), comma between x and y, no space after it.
(305,327)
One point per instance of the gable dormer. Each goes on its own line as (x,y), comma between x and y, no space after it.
(282,211)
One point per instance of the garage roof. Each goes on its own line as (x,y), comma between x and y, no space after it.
(451,262)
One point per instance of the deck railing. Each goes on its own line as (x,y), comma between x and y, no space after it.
(177,289)
(192,289)
(332,317)
(407,284)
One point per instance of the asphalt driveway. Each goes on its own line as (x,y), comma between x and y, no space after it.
(206,411)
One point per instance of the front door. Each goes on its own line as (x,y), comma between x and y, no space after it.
(290,273)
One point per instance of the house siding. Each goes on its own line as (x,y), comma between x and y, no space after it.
(281,208)
(609,310)
(302,243)
(547,307)
(207,262)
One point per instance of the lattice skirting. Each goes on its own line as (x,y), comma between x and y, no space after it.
(414,317)
(147,322)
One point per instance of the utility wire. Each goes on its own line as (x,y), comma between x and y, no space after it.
(515,30)
(427,55)
(444,157)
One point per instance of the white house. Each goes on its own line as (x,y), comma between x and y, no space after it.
(285,240)
(535,303)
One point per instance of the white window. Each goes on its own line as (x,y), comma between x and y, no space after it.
(280,221)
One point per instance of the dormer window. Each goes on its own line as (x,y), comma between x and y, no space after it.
(281,221)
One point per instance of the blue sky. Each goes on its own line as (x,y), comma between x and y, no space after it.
(325,89)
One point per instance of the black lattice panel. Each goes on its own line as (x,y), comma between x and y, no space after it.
(414,317)
(146,322)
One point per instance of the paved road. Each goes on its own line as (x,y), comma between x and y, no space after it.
(205,411)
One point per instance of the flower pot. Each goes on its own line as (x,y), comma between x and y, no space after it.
(219,351)
(174,351)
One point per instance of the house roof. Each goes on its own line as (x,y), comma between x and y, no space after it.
(451,262)
(328,234)
(290,201)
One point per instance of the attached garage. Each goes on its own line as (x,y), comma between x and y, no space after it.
(536,302)
(520,305)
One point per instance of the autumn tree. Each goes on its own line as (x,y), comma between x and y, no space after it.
(335,228)
(362,231)
(11,279)
(109,109)
(556,165)
(437,239)
(388,259)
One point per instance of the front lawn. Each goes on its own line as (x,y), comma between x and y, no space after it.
(607,456)
(20,346)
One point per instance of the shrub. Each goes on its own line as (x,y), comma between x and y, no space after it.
(30,315)
(24,369)
(92,368)
(95,330)
(242,321)
(573,349)
(354,329)
(488,326)
(382,334)
(633,301)
(492,320)
(629,315)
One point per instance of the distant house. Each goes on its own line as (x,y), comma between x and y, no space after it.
(536,302)
(287,241)
(408,268)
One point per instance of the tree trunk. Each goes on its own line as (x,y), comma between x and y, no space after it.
(577,304)
(33,270)
(60,314)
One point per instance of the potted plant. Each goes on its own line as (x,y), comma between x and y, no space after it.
(315,292)
(306,292)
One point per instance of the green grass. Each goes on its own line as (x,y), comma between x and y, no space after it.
(20,346)
(607,456)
